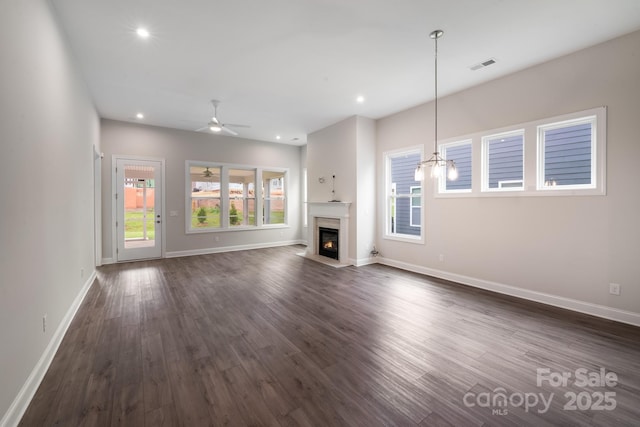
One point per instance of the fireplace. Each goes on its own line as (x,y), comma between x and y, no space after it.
(328,243)
(333,216)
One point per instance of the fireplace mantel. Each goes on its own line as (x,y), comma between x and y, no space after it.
(329,209)
(335,210)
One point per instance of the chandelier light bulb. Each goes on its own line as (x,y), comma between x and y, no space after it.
(452,175)
(436,170)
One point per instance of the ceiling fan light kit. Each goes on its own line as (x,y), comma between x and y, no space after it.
(439,165)
(214,127)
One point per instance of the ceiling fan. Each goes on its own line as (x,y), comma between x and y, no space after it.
(207,173)
(216,125)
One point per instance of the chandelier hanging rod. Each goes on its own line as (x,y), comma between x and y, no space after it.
(439,166)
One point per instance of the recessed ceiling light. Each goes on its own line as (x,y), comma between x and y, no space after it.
(140,116)
(360,99)
(278,137)
(142,32)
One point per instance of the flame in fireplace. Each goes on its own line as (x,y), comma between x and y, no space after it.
(328,245)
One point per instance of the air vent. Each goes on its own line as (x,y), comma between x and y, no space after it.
(483,64)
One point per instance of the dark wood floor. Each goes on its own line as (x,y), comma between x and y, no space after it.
(265,337)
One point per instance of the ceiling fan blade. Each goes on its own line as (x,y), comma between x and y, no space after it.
(202,128)
(236,125)
(226,129)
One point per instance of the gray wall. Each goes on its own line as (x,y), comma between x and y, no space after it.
(48,128)
(177,146)
(567,247)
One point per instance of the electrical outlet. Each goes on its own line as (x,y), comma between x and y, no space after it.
(614,289)
(44,323)
(81,273)
(217,238)
(441,258)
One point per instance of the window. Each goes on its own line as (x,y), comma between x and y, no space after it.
(460,153)
(566,152)
(205,197)
(404,196)
(273,193)
(242,197)
(416,206)
(224,197)
(558,156)
(503,161)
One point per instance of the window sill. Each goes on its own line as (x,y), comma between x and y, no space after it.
(524,193)
(243,228)
(404,238)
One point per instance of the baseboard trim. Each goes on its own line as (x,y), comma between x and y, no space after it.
(206,251)
(364,261)
(597,310)
(20,404)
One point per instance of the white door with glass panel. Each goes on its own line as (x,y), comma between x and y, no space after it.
(138,209)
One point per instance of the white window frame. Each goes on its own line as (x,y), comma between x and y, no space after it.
(412,207)
(285,197)
(485,161)
(508,183)
(442,183)
(189,198)
(225,200)
(532,168)
(593,120)
(390,195)
(244,199)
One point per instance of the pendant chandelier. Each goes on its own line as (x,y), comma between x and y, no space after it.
(439,166)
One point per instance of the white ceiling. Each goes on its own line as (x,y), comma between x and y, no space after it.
(291,67)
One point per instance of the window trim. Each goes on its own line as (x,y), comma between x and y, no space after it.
(484,167)
(412,207)
(244,197)
(285,197)
(189,198)
(442,183)
(531,171)
(540,181)
(386,161)
(225,200)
